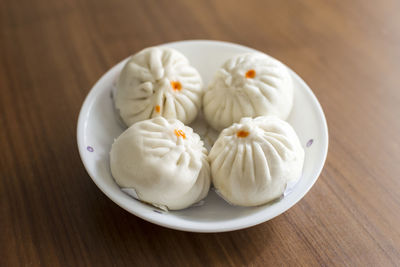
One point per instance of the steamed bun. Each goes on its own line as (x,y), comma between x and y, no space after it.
(163,161)
(158,81)
(248,85)
(252,161)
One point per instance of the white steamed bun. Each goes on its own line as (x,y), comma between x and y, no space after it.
(164,161)
(252,161)
(158,81)
(248,85)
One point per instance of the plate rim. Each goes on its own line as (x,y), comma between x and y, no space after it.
(201,227)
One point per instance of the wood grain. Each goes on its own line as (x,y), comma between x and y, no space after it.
(52,52)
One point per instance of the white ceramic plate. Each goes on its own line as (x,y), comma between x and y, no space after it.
(98,127)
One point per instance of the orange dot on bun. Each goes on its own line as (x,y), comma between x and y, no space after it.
(177,86)
(250,74)
(242,134)
(180,133)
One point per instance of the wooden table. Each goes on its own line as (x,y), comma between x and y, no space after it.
(52,52)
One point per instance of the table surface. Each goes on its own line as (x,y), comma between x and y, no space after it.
(52,52)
